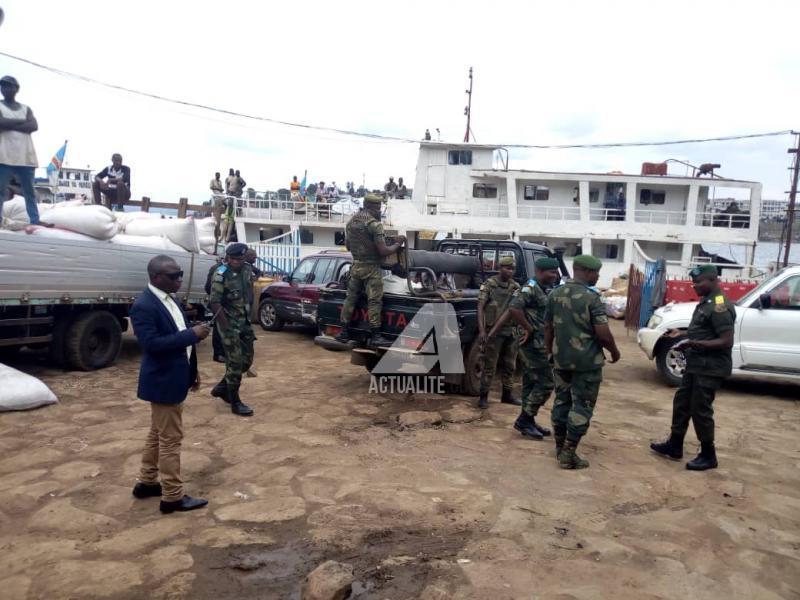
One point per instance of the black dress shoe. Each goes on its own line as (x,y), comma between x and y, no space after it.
(182,505)
(147,490)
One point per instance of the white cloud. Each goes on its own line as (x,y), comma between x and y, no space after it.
(545,72)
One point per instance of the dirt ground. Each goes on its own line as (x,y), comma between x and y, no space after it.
(463,509)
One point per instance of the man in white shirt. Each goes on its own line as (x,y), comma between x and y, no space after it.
(17,154)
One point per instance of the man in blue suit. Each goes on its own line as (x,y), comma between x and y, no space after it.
(168,371)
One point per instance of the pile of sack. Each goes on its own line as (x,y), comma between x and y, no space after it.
(73,220)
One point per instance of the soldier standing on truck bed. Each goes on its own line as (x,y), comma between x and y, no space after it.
(232,291)
(365,240)
(527,308)
(708,362)
(576,331)
(493,299)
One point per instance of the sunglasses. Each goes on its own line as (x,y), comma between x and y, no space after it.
(174,276)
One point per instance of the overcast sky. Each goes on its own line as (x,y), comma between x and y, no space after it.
(545,73)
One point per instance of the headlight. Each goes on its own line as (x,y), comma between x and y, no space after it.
(654,321)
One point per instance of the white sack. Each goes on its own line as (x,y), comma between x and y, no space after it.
(124,218)
(62,204)
(21,391)
(146,241)
(180,231)
(58,234)
(205,234)
(15,215)
(92,220)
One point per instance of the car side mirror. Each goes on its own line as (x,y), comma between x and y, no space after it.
(764,301)
(310,278)
(287,278)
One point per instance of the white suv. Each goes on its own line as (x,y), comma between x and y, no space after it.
(767,338)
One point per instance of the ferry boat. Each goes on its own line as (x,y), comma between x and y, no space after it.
(465,191)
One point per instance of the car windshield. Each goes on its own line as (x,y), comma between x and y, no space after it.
(750,296)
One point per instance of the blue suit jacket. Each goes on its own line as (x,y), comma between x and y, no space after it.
(165,375)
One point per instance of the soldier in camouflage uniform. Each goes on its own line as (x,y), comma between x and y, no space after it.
(576,331)
(708,362)
(232,290)
(527,309)
(493,299)
(365,240)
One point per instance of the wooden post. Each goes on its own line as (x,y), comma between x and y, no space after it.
(145,204)
(182,203)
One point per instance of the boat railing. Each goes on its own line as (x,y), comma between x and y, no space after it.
(549,213)
(292,210)
(660,217)
(720,219)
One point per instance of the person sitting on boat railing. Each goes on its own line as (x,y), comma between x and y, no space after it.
(390,188)
(114,183)
(401,189)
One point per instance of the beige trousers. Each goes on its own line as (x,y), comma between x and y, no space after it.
(162,450)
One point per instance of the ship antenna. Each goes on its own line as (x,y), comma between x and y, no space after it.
(468,110)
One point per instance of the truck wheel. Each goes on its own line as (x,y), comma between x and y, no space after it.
(93,341)
(471,380)
(268,317)
(671,363)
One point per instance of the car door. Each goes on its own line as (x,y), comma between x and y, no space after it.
(769,337)
(309,299)
(288,303)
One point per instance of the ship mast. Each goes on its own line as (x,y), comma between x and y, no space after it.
(468,109)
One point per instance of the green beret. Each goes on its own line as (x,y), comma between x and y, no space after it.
(373,199)
(546,264)
(507,261)
(703,270)
(236,250)
(587,262)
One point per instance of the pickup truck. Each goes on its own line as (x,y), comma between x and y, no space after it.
(767,335)
(403,299)
(294,299)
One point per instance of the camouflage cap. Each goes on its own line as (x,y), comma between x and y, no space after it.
(703,270)
(587,261)
(236,250)
(507,261)
(546,263)
(373,199)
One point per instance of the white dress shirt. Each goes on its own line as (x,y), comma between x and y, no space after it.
(174,310)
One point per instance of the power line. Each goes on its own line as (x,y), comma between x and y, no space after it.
(377,136)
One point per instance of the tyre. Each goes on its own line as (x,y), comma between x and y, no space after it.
(93,341)
(268,316)
(471,380)
(671,363)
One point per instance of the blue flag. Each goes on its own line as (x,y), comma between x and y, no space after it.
(303,183)
(57,160)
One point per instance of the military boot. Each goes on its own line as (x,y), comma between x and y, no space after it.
(507,398)
(221,390)
(483,401)
(569,459)
(237,406)
(672,448)
(707,459)
(343,336)
(559,436)
(543,430)
(376,338)
(526,426)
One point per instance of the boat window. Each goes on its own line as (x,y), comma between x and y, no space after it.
(536,192)
(652,196)
(484,190)
(459,157)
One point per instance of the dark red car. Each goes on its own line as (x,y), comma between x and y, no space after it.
(295,299)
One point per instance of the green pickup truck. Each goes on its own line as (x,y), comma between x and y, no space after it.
(425,278)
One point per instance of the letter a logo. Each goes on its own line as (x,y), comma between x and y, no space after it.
(430,337)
